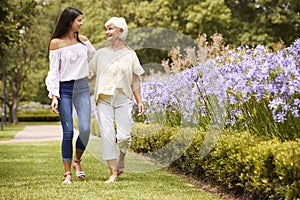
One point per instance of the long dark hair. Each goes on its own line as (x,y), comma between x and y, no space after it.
(64,23)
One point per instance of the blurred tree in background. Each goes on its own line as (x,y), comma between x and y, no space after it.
(16,49)
(263,21)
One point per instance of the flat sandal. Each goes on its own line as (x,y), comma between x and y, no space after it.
(79,174)
(67,182)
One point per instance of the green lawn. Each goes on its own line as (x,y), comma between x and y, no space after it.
(9,131)
(34,171)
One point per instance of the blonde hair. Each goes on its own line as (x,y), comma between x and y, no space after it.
(119,22)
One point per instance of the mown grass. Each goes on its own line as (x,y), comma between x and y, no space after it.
(34,171)
(9,131)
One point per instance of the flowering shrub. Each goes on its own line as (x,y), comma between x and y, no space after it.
(247,88)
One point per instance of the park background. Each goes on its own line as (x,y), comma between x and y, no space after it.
(258,150)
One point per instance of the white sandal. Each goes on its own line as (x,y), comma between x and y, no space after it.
(80,175)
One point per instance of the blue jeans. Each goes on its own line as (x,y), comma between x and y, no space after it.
(74,93)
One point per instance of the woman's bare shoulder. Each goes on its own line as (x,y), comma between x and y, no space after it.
(55,44)
(83,38)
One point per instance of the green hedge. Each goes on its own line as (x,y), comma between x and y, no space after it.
(37,115)
(37,118)
(258,168)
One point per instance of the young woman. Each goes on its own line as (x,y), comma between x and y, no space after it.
(67,84)
(117,71)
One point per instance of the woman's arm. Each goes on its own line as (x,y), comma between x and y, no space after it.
(136,89)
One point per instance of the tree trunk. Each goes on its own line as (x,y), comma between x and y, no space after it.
(14,102)
(13,110)
(10,118)
(14,114)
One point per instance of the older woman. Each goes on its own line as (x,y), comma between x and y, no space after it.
(117,70)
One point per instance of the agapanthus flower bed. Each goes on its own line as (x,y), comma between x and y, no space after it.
(251,89)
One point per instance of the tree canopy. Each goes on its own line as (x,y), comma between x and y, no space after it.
(264,22)
(244,22)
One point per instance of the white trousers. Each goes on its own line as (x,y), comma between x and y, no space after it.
(114,115)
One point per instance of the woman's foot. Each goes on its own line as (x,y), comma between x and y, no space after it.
(121,167)
(77,166)
(68,178)
(112,164)
(112,179)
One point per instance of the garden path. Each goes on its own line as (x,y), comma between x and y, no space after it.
(37,133)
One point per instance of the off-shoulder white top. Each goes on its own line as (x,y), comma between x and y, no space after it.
(68,63)
(113,71)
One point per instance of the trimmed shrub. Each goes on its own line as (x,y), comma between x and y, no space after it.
(38,118)
(247,164)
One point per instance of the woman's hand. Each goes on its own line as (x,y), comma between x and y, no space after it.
(141,108)
(54,104)
(136,89)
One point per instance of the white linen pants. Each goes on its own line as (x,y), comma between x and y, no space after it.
(111,111)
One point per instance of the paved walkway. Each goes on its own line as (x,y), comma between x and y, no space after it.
(36,133)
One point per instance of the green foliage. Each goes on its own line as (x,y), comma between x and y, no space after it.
(240,22)
(191,160)
(263,22)
(248,164)
(173,117)
(263,170)
(5,26)
(17,55)
(260,121)
(151,137)
(162,143)
(226,162)
(209,16)
(39,117)
(14,20)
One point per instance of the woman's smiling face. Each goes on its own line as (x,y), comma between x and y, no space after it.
(77,23)
(112,32)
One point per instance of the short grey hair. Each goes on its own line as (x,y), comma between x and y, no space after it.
(119,22)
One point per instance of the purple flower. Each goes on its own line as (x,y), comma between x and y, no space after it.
(246,75)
